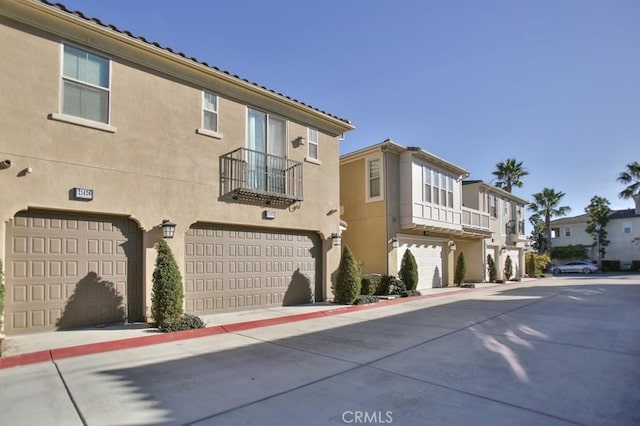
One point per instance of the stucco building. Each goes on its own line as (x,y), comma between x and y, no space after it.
(105,135)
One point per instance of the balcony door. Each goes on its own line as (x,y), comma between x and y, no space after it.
(266,158)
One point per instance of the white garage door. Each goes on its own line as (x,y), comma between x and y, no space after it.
(429,259)
(515,261)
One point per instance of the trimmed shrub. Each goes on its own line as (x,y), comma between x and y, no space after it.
(468,285)
(369,284)
(576,251)
(383,286)
(611,265)
(411,293)
(461,269)
(167,293)
(397,287)
(530,265)
(635,265)
(348,281)
(185,322)
(363,299)
(491,267)
(508,268)
(409,270)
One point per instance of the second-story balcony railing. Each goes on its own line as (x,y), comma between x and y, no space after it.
(255,176)
(475,219)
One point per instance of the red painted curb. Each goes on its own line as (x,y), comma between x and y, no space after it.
(154,339)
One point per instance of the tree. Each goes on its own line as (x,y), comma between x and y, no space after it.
(539,243)
(509,173)
(546,203)
(348,280)
(491,267)
(630,177)
(461,269)
(598,211)
(167,294)
(508,268)
(409,270)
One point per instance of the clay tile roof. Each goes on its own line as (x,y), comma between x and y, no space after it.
(112,27)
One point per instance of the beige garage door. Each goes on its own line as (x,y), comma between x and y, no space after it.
(68,270)
(229,269)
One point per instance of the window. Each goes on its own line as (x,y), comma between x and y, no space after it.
(426,174)
(626,227)
(374,179)
(85,84)
(450,191)
(555,232)
(313,143)
(567,231)
(210,112)
(493,211)
(266,136)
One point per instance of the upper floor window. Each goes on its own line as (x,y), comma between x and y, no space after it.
(210,112)
(493,209)
(374,179)
(438,187)
(313,143)
(85,84)
(555,232)
(626,227)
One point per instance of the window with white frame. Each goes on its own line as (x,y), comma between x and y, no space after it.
(313,143)
(492,210)
(567,231)
(555,232)
(626,227)
(85,84)
(210,111)
(437,187)
(374,178)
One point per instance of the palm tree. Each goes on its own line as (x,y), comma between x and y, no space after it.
(546,204)
(509,173)
(631,177)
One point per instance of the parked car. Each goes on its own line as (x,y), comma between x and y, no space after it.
(583,267)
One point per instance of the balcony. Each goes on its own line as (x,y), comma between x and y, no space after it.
(475,219)
(257,178)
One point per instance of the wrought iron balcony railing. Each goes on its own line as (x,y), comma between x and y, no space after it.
(254,176)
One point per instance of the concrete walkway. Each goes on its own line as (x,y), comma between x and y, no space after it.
(556,351)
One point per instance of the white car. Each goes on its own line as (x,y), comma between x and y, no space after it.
(583,267)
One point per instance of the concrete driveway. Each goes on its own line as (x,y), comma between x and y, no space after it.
(556,351)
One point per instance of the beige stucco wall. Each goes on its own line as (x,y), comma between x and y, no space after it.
(155,166)
(366,232)
(473,256)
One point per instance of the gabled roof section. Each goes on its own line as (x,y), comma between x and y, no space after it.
(60,10)
(390,146)
(501,192)
(615,214)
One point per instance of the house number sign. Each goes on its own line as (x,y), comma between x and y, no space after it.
(83,194)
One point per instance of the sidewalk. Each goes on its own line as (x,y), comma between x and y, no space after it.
(39,347)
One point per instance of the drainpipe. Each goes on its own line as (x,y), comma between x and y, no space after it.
(385,163)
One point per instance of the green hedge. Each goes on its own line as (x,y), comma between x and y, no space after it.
(635,265)
(611,265)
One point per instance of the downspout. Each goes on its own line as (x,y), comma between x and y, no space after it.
(386,203)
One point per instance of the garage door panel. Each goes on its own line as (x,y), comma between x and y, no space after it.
(244,269)
(67,270)
(429,258)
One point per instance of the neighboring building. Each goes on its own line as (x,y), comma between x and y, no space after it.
(506,222)
(396,198)
(105,135)
(623,233)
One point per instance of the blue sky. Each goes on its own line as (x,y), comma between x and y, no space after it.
(553,83)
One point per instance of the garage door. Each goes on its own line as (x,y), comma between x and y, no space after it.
(515,261)
(429,259)
(66,270)
(229,269)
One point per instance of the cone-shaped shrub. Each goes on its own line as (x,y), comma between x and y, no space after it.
(409,270)
(347,286)
(461,269)
(167,293)
(493,271)
(508,268)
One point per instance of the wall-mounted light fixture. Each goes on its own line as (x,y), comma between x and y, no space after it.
(168,228)
(394,243)
(5,164)
(425,233)
(452,246)
(301,140)
(337,239)
(503,249)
